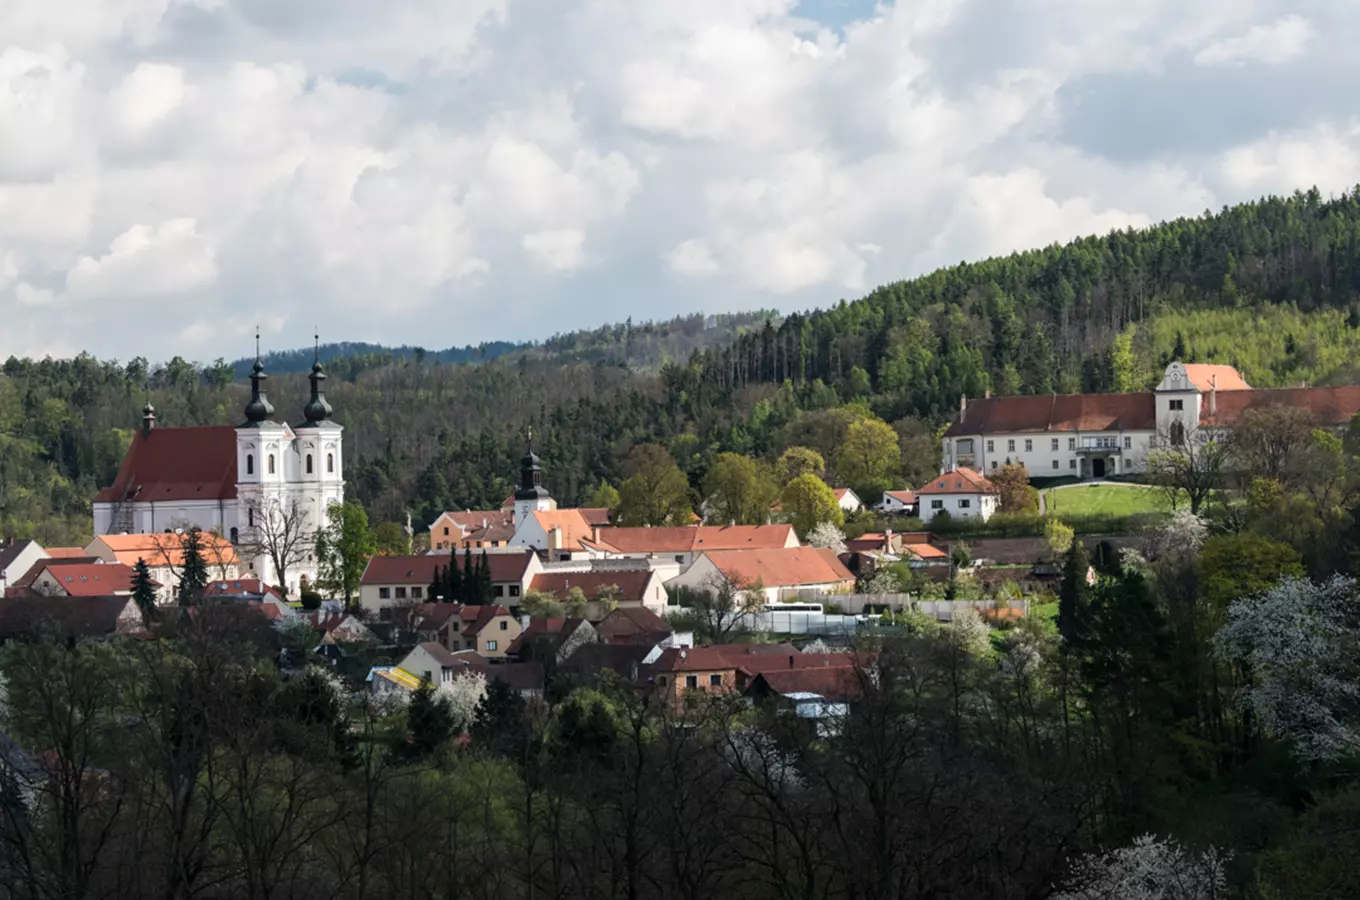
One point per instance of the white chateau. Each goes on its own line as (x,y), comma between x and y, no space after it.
(240,482)
(1097,435)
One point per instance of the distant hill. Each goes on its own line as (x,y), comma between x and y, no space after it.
(361,355)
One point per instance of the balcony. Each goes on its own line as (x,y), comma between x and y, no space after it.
(1101,445)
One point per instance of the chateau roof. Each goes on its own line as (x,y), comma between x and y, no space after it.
(1330,406)
(1058,412)
(177,464)
(1207,377)
(162,549)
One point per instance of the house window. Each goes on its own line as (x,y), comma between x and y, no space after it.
(330,463)
(250,463)
(500,590)
(991,445)
(1055,464)
(505,626)
(235,535)
(965,504)
(1177,434)
(993,464)
(514,590)
(384,593)
(1128,443)
(401,593)
(679,558)
(937,504)
(966,446)
(309,463)
(1029,445)
(691,681)
(1010,445)
(491,645)
(250,517)
(416,592)
(446,531)
(715,680)
(1071,464)
(661,680)
(1071,443)
(1178,405)
(1055,443)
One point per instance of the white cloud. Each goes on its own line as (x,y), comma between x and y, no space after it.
(563,249)
(316,161)
(1278,42)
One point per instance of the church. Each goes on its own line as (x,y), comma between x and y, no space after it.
(261,484)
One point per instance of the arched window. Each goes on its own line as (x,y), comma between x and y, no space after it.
(309,463)
(330,463)
(250,464)
(235,536)
(1177,434)
(271,464)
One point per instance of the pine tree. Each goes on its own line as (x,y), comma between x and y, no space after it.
(429,723)
(143,590)
(193,573)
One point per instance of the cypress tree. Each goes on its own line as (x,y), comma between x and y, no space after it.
(193,573)
(1074,597)
(484,579)
(453,591)
(437,586)
(469,578)
(143,591)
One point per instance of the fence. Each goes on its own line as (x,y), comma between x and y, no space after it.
(779,622)
(855,604)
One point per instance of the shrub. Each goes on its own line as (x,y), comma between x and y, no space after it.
(310,599)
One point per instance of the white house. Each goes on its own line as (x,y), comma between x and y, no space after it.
(16,558)
(898,503)
(848,500)
(390,581)
(961,492)
(777,573)
(241,482)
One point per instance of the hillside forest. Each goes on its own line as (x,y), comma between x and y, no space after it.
(1271,286)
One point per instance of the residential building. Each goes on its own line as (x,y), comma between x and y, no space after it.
(898,503)
(164,556)
(776,573)
(436,664)
(639,625)
(337,627)
(239,481)
(82,580)
(490,630)
(396,581)
(682,544)
(455,530)
(16,558)
(820,696)
(70,617)
(552,640)
(635,588)
(848,500)
(962,493)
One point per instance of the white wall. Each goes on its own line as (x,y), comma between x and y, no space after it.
(959,506)
(19,567)
(1036,451)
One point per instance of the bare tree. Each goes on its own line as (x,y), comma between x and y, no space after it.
(1189,462)
(723,605)
(281,531)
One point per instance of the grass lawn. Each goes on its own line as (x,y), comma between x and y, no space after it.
(1105,499)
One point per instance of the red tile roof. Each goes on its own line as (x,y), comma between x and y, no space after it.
(93,579)
(177,464)
(558,627)
(240,587)
(629,621)
(685,539)
(1058,412)
(907,497)
(785,567)
(471,519)
(838,683)
(27,579)
(475,618)
(571,523)
(632,585)
(925,551)
(1206,376)
(962,480)
(1330,406)
(595,515)
(66,552)
(505,567)
(67,616)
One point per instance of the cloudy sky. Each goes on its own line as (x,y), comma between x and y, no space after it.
(440,172)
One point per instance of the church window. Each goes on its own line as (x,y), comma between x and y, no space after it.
(1176,405)
(271,464)
(250,464)
(235,536)
(250,516)
(330,463)
(1177,434)
(309,463)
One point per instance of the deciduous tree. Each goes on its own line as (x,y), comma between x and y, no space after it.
(738,491)
(656,491)
(808,502)
(343,549)
(869,457)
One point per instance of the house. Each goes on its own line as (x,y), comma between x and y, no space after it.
(628,661)
(383,680)
(639,625)
(961,493)
(555,534)
(23,585)
(337,628)
(898,503)
(819,695)
(848,500)
(1097,435)
(82,579)
(391,581)
(454,530)
(682,544)
(236,481)
(552,640)
(164,556)
(678,673)
(635,588)
(251,591)
(70,617)
(16,558)
(489,630)
(776,573)
(435,663)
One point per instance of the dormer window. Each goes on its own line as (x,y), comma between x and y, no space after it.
(309,463)
(250,464)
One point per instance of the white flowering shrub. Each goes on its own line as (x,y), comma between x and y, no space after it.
(1183,534)
(388,702)
(816,646)
(967,631)
(759,755)
(883,581)
(825,534)
(1300,642)
(465,693)
(1149,869)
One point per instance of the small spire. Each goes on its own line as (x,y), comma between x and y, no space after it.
(317,409)
(316,352)
(258,409)
(148,419)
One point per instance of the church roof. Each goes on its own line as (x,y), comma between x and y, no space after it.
(177,464)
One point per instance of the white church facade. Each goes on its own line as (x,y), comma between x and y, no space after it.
(248,483)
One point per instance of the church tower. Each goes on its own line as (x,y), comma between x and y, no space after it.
(531,497)
(321,473)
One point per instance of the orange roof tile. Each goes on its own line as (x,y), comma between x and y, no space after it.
(632,585)
(784,567)
(93,579)
(683,539)
(570,522)
(162,549)
(925,551)
(66,552)
(962,480)
(1206,376)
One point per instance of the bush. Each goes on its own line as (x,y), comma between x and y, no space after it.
(310,599)
(831,609)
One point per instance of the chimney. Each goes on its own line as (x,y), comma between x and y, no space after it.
(963,407)
(987,394)
(1213,395)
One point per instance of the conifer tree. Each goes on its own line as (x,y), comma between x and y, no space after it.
(469,578)
(438,585)
(143,590)
(484,587)
(453,591)
(193,573)
(1074,597)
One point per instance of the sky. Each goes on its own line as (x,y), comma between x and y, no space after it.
(174,173)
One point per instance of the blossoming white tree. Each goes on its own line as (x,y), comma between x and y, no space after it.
(827,535)
(1300,642)
(465,694)
(1149,869)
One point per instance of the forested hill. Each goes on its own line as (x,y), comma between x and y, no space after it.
(1272,286)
